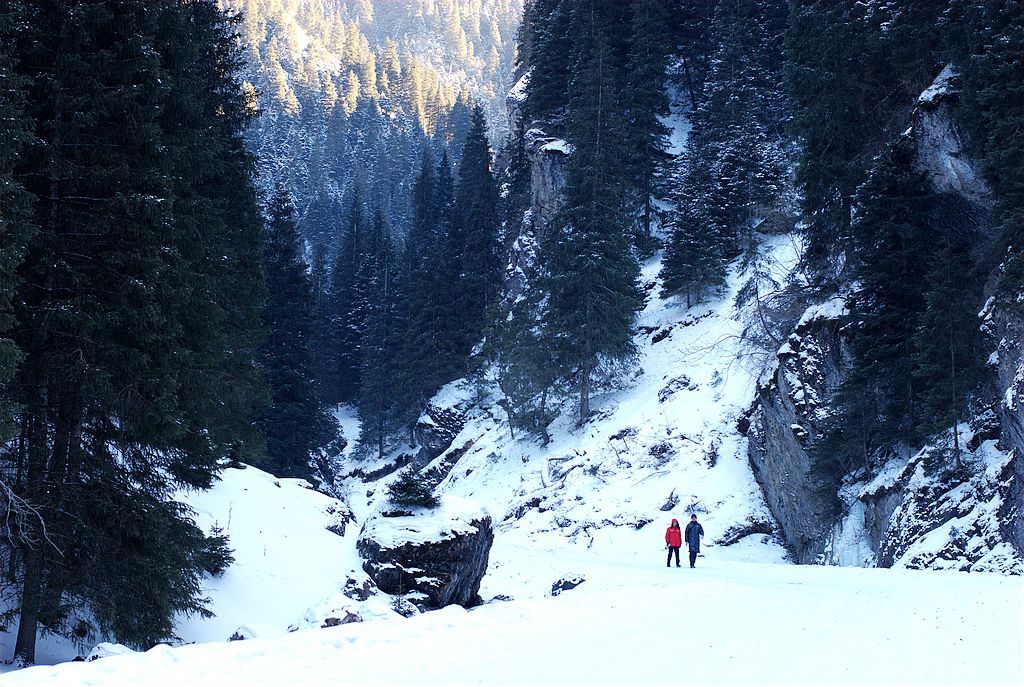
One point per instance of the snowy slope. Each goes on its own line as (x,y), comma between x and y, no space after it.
(670,431)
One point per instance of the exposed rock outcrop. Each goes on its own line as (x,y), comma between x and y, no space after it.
(941,149)
(434,558)
(1004,325)
(919,511)
(794,402)
(926,512)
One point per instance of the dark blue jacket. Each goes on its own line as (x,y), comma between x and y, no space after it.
(692,536)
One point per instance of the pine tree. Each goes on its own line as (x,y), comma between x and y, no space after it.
(646,102)
(843,59)
(590,272)
(690,35)
(410,490)
(476,211)
(987,39)
(15,208)
(879,401)
(732,172)
(947,346)
(344,310)
(378,363)
(296,426)
(431,355)
(549,36)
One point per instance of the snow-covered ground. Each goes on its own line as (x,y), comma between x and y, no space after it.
(593,504)
(634,622)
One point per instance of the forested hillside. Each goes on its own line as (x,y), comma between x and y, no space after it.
(351,92)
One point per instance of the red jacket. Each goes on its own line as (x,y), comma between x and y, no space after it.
(674,535)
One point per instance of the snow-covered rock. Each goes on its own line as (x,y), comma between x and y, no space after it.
(941,147)
(436,557)
(809,367)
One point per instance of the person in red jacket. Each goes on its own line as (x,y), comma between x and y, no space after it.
(673,539)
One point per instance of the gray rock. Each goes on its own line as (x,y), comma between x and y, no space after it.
(566,583)
(433,559)
(810,367)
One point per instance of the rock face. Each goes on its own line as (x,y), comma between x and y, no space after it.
(927,513)
(785,413)
(434,558)
(941,150)
(547,156)
(919,510)
(435,429)
(1004,326)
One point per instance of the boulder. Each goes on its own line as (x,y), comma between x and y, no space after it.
(437,557)
(566,583)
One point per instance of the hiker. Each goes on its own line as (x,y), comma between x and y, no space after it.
(693,534)
(673,540)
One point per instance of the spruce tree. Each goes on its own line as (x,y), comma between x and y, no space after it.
(15,208)
(476,211)
(589,271)
(646,101)
(947,346)
(296,426)
(986,39)
(430,349)
(549,36)
(344,309)
(879,401)
(379,352)
(732,172)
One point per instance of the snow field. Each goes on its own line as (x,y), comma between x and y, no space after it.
(636,622)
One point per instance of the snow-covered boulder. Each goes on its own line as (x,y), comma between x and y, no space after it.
(105,649)
(435,556)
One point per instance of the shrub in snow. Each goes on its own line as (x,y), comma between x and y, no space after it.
(216,557)
(410,490)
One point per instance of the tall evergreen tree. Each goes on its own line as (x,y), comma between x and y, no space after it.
(589,270)
(732,172)
(476,211)
(986,38)
(344,311)
(296,425)
(879,400)
(137,313)
(549,36)
(379,353)
(431,353)
(646,102)
(15,208)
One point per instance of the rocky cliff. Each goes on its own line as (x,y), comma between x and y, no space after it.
(913,510)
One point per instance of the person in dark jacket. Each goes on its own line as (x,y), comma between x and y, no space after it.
(673,540)
(693,534)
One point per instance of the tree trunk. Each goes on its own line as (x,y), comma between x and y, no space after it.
(31,605)
(584,411)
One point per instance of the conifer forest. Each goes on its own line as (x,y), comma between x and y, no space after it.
(228,225)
